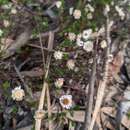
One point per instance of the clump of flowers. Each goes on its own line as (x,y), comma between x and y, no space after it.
(103,44)
(71,36)
(70,64)
(18,94)
(120,12)
(6,23)
(66,101)
(13,11)
(1,32)
(58,4)
(58,55)
(107,9)
(86,34)
(77,14)
(88,46)
(59,82)
(89,10)
(84,40)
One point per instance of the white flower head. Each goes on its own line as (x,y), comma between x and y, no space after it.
(7,6)
(1,32)
(66,101)
(107,9)
(89,8)
(71,36)
(58,55)
(6,23)
(89,16)
(13,11)
(79,42)
(59,82)
(58,4)
(71,10)
(70,64)
(77,14)
(86,33)
(88,46)
(120,12)
(18,94)
(127,95)
(103,44)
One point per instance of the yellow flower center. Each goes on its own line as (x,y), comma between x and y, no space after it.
(66,101)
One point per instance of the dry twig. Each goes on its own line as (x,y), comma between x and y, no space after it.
(89,106)
(40,112)
(103,83)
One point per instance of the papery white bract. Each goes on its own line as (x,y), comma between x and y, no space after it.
(66,101)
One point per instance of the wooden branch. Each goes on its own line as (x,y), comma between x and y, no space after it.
(102,85)
(28,90)
(89,106)
(20,42)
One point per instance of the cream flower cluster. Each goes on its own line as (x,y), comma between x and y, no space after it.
(1,32)
(120,12)
(66,101)
(76,13)
(59,82)
(71,36)
(89,10)
(6,23)
(58,55)
(58,4)
(70,64)
(18,94)
(107,9)
(83,40)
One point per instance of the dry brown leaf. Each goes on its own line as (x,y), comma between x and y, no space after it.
(115,65)
(77,116)
(111,111)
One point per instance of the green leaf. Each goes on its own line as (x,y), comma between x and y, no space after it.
(6,85)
